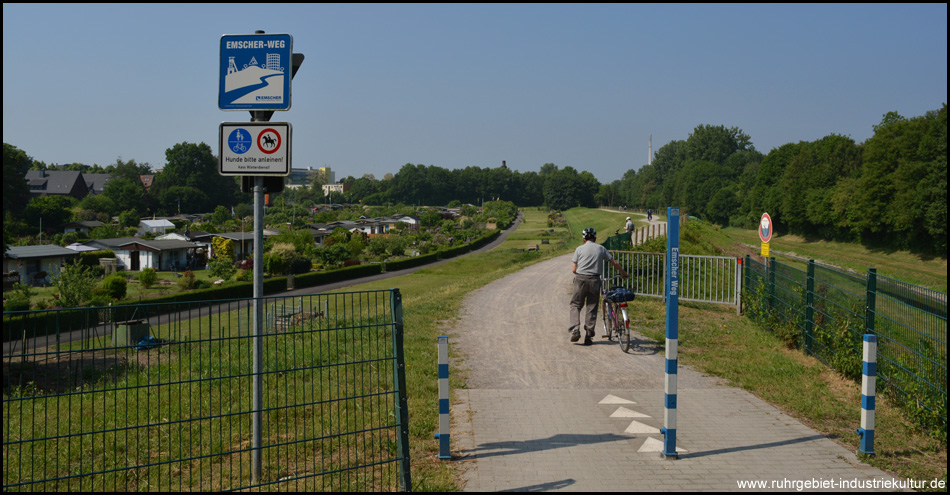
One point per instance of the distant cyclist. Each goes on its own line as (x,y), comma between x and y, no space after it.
(587,266)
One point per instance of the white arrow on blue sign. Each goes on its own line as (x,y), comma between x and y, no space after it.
(255,70)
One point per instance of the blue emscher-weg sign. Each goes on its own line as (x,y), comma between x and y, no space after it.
(256,70)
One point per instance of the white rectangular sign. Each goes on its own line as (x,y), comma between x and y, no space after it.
(254,148)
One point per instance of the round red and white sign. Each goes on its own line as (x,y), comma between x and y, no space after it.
(765,228)
(268,141)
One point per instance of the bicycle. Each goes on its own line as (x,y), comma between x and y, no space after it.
(615,319)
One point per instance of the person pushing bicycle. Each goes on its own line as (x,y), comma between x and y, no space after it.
(587,266)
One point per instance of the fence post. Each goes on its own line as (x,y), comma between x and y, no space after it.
(771,270)
(868,383)
(443,434)
(809,306)
(870,297)
(747,273)
(402,404)
(739,269)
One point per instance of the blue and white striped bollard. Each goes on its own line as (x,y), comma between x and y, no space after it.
(868,385)
(443,434)
(672,332)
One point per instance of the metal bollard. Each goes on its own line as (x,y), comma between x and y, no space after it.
(672,334)
(868,385)
(443,434)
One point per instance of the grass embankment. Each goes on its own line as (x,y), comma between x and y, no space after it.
(714,340)
(927,271)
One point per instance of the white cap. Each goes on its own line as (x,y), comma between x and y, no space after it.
(628,218)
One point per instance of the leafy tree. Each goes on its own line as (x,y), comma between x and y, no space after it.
(221,215)
(222,247)
(361,188)
(808,181)
(99,203)
(222,267)
(194,167)
(716,143)
(129,219)
(126,194)
(333,255)
(15,191)
(128,170)
(74,284)
(106,231)
(243,210)
(54,211)
(899,198)
(185,198)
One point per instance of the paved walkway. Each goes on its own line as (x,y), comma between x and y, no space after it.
(543,414)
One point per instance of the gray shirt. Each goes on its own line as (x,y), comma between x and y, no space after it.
(590,258)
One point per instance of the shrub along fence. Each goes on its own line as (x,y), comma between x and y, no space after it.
(825,312)
(158,397)
(50,322)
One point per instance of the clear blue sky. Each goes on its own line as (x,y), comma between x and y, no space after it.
(578,85)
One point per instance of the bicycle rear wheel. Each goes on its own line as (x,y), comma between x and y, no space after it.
(623,334)
(606,316)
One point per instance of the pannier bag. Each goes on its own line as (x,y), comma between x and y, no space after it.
(620,294)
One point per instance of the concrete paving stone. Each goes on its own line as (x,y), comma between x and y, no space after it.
(730,435)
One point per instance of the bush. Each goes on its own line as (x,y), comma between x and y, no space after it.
(299,264)
(16,305)
(148,277)
(222,267)
(91,258)
(114,286)
(274,264)
(187,280)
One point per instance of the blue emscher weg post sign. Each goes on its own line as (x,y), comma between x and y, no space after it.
(256,70)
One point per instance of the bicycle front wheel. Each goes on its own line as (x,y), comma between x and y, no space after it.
(605,314)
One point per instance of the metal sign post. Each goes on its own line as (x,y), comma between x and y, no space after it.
(257,382)
(255,72)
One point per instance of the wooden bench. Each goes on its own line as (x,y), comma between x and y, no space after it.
(533,247)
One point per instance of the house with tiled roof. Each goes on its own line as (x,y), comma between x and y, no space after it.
(56,183)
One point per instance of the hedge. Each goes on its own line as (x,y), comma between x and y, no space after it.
(53,319)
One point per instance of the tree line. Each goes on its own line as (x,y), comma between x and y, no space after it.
(889,192)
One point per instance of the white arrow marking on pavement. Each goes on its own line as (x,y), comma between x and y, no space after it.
(638,427)
(655,445)
(623,412)
(612,399)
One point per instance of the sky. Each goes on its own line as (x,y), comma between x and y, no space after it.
(458,85)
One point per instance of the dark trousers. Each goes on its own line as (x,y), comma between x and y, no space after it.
(586,294)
